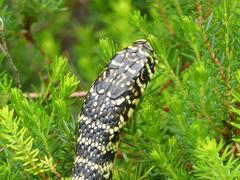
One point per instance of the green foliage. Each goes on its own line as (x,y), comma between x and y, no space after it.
(31,137)
(209,163)
(107,48)
(34,10)
(16,140)
(235,108)
(187,124)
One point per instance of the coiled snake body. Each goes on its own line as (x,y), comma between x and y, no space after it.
(109,103)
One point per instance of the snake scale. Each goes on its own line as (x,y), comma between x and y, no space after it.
(108,105)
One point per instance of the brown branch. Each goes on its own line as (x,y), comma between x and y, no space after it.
(227,132)
(165,19)
(217,63)
(9,60)
(29,37)
(199,10)
(213,55)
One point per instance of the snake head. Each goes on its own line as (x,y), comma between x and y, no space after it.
(128,72)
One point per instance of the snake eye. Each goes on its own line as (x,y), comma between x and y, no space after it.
(144,74)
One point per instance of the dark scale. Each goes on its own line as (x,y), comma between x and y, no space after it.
(87,172)
(107,107)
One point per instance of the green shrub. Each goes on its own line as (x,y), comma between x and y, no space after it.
(187,124)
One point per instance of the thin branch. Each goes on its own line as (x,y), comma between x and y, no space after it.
(214,58)
(29,37)
(165,18)
(226,132)
(199,10)
(34,95)
(78,94)
(217,63)
(4,50)
(213,55)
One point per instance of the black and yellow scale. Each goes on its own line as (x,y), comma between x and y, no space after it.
(108,105)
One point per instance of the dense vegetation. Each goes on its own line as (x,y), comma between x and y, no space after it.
(187,124)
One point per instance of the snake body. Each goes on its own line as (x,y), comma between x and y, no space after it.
(108,105)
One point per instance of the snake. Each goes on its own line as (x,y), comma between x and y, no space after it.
(107,106)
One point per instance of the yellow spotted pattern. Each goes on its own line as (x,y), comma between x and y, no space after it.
(108,105)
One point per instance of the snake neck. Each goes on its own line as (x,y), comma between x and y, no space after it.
(99,128)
